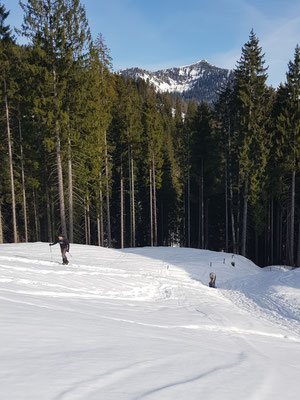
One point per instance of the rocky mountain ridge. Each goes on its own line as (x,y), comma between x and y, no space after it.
(200,81)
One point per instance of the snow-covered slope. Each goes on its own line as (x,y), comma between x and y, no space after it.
(143,324)
(199,81)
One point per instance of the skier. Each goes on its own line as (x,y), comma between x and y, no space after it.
(64,247)
(212,282)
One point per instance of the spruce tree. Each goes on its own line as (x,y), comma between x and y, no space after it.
(204,170)
(126,129)
(20,71)
(153,146)
(170,193)
(186,163)
(8,89)
(288,125)
(99,98)
(250,91)
(58,30)
(225,116)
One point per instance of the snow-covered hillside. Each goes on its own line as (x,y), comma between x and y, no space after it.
(199,81)
(143,324)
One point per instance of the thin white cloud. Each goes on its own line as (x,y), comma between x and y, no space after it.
(278,37)
(279,45)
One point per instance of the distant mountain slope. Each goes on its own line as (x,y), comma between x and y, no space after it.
(200,81)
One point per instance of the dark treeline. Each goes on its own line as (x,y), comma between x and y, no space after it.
(109,161)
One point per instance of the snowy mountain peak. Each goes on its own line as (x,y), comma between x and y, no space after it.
(199,81)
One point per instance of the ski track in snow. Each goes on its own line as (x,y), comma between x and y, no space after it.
(250,296)
(212,371)
(82,389)
(157,285)
(164,292)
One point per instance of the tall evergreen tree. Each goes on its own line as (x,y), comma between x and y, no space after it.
(99,99)
(288,124)
(204,170)
(225,116)
(59,30)
(170,193)
(250,89)
(7,59)
(153,158)
(187,147)
(127,141)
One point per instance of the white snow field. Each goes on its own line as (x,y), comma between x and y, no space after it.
(143,324)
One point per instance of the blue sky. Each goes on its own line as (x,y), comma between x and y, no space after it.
(158,34)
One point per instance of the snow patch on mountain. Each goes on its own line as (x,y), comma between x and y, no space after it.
(201,77)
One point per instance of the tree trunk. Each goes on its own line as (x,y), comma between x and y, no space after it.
(280,247)
(49,230)
(298,247)
(133,203)
(272,233)
(202,206)
(267,255)
(1,225)
(100,215)
(53,218)
(100,221)
(163,242)
(206,244)
(98,230)
(23,179)
(226,209)
(233,232)
(87,220)
(151,206)
(256,248)
(189,209)
(11,170)
(278,235)
(60,185)
(70,190)
(36,217)
(107,193)
(184,215)
(238,216)
(59,167)
(100,226)
(199,216)
(122,207)
(154,201)
(234,246)
(292,220)
(245,214)
(130,199)
(268,238)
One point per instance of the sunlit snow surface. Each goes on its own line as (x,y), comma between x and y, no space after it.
(143,324)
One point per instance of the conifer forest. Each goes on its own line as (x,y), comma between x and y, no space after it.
(109,161)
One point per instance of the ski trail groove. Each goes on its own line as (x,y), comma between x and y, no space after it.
(196,378)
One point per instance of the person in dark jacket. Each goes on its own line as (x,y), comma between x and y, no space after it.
(64,247)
